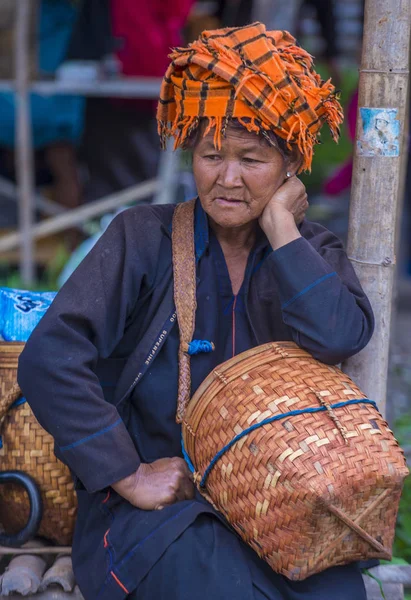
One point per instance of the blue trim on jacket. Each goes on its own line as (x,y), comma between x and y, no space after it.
(307,289)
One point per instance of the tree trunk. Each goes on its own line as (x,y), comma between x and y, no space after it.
(376,178)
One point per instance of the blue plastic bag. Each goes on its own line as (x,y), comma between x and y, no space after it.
(20,311)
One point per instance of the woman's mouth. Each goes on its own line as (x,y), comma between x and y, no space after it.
(223,201)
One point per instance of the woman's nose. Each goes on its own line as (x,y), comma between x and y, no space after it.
(230,174)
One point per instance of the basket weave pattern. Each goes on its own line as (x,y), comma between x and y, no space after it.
(306,492)
(28,447)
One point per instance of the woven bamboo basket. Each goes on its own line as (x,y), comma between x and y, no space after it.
(301,464)
(28,447)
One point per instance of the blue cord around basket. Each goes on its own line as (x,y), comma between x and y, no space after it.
(17,403)
(186,457)
(238,437)
(14,405)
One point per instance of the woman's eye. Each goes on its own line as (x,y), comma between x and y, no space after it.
(212,156)
(250,160)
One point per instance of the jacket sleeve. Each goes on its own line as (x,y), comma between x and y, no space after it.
(321,298)
(57,366)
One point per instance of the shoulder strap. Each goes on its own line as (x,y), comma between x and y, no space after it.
(184,268)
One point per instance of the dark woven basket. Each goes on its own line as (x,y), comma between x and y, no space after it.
(28,447)
(306,491)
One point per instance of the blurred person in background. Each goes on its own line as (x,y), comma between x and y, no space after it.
(57,121)
(325,14)
(234,13)
(221,13)
(120,145)
(279,14)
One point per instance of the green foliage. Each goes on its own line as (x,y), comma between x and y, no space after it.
(47,281)
(402,542)
(394,561)
(55,267)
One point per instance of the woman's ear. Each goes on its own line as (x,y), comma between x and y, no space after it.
(294,162)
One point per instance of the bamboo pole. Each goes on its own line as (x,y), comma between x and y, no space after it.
(376,179)
(5,550)
(24,146)
(121,87)
(77,216)
(49,207)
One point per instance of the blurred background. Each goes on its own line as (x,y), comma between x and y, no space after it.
(93,71)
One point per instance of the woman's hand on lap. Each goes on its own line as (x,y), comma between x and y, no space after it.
(284,212)
(158,484)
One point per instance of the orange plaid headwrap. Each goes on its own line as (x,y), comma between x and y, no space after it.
(259,77)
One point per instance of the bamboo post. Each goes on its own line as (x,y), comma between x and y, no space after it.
(376,178)
(23,145)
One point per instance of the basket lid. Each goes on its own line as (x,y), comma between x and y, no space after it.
(243,363)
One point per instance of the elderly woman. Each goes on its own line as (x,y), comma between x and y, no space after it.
(101,370)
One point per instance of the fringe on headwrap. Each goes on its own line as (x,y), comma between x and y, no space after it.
(262,78)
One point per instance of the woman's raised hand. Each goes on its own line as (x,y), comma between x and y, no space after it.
(158,484)
(284,212)
(291,196)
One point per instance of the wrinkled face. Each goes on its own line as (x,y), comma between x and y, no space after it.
(235,183)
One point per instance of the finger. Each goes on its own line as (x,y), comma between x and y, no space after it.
(189,489)
(186,492)
(299,216)
(302,203)
(179,489)
(294,180)
(184,488)
(186,471)
(170,498)
(181,468)
(180,465)
(292,188)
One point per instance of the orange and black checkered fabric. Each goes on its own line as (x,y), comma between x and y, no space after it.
(260,77)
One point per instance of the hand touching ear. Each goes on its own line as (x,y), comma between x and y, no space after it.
(284,212)
(290,196)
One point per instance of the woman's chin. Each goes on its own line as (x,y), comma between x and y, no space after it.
(227,223)
(230,216)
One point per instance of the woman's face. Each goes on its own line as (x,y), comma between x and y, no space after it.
(235,183)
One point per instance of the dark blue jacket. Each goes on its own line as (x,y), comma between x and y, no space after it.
(100,369)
